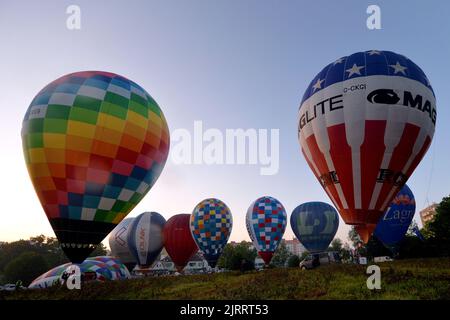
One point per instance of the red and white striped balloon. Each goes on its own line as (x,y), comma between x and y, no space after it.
(365,123)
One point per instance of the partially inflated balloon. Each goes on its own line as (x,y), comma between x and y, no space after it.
(178,240)
(315,225)
(266,223)
(105,268)
(94,144)
(391,229)
(364,124)
(146,237)
(118,243)
(211,224)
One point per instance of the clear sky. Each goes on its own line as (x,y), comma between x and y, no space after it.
(231,64)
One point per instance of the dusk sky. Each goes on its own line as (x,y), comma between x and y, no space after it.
(230,64)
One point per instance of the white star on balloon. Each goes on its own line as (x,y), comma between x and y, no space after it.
(318,84)
(354,70)
(338,61)
(372,52)
(398,68)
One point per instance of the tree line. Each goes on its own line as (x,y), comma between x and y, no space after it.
(25,260)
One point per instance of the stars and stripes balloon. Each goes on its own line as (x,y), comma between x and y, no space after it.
(315,225)
(392,227)
(364,124)
(178,240)
(118,243)
(94,144)
(145,238)
(266,222)
(211,224)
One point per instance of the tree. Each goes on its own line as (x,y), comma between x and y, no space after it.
(354,237)
(293,261)
(438,229)
(346,254)
(412,247)
(100,250)
(336,245)
(412,226)
(375,248)
(304,255)
(344,251)
(26,267)
(280,256)
(233,257)
(47,247)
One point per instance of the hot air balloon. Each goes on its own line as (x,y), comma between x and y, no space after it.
(94,144)
(315,225)
(118,242)
(364,124)
(178,240)
(146,237)
(211,224)
(105,268)
(392,227)
(266,223)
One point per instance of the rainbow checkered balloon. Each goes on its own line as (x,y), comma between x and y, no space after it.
(266,222)
(94,144)
(211,223)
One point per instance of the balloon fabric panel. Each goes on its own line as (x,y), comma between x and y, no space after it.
(267,218)
(145,239)
(315,225)
(392,227)
(365,122)
(211,224)
(106,268)
(94,144)
(178,240)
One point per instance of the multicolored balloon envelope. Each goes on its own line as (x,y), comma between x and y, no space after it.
(94,144)
(315,225)
(118,243)
(364,124)
(145,238)
(211,224)
(178,240)
(391,229)
(266,223)
(105,268)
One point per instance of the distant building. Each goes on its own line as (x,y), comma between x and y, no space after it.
(294,246)
(427,214)
(196,264)
(164,264)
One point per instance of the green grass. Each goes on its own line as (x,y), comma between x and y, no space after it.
(404,279)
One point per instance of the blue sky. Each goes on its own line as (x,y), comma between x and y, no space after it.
(231,64)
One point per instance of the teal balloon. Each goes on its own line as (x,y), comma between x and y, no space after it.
(315,225)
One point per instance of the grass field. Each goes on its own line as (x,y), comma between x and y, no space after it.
(405,279)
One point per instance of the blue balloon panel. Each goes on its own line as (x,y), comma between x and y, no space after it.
(315,224)
(391,229)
